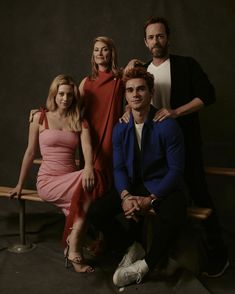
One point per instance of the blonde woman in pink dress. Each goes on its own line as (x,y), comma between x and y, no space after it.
(58,130)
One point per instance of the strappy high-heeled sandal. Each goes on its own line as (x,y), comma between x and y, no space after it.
(77,262)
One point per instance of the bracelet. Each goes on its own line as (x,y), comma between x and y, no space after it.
(126,196)
(127,193)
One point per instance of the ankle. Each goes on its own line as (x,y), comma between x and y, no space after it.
(75,254)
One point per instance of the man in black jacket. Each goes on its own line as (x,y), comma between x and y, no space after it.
(181,90)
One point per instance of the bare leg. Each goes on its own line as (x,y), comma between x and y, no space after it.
(73,252)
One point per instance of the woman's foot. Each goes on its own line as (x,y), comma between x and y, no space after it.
(77,261)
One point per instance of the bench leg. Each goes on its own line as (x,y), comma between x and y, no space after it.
(22,247)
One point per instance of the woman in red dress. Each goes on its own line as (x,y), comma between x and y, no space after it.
(102,94)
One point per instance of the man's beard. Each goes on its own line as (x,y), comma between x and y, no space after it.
(159,51)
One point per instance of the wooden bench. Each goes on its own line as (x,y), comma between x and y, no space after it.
(196,213)
(220,171)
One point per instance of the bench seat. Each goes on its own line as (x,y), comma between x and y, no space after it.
(26,194)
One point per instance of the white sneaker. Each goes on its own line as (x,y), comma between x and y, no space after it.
(133,273)
(134,252)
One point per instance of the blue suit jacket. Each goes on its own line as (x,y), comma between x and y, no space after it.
(162,155)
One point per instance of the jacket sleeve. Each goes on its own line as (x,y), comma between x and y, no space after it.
(121,178)
(202,87)
(173,143)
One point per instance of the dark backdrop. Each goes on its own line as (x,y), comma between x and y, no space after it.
(41,39)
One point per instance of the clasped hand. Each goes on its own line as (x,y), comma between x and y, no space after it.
(134,205)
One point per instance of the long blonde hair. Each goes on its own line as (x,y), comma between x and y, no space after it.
(113,63)
(74,109)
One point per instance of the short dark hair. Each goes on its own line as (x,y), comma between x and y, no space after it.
(157,19)
(139,73)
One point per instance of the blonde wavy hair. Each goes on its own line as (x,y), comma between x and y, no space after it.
(74,109)
(113,62)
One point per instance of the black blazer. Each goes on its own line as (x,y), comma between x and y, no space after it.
(188,81)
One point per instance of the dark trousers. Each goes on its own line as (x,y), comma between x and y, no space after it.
(166,225)
(104,214)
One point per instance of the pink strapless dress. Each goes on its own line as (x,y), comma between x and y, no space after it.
(58,178)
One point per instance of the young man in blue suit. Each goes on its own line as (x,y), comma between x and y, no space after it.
(148,160)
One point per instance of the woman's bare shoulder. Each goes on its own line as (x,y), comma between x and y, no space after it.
(81,86)
(34,115)
(37,114)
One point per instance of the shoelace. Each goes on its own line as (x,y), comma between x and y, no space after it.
(139,278)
